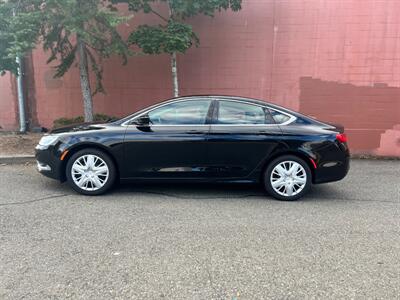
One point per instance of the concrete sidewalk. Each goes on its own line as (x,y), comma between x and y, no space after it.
(18,148)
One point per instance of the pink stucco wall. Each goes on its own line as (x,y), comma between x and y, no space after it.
(8,105)
(338,60)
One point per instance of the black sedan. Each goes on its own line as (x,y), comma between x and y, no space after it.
(202,139)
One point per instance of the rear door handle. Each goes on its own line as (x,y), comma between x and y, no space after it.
(195,131)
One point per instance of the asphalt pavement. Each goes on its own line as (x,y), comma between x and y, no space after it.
(197,241)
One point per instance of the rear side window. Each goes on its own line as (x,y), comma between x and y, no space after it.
(279,117)
(237,113)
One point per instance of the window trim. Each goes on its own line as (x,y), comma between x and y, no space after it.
(214,104)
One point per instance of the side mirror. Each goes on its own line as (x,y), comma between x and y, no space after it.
(142,121)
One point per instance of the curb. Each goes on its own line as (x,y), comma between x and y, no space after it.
(17,159)
(373,157)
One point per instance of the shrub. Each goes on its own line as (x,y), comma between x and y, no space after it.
(61,122)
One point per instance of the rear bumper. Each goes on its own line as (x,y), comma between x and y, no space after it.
(332,170)
(330,174)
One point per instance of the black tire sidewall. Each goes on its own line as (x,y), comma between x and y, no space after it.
(267,175)
(107,160)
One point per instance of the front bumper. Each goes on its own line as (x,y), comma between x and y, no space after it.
(48,162)
(42,167)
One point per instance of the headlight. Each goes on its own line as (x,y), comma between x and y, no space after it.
(47,140)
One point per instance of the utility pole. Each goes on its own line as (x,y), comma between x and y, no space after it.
(21,96)
(20,92)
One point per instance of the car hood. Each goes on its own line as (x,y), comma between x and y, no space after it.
(80,127)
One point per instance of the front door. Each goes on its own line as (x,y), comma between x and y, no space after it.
(172,144)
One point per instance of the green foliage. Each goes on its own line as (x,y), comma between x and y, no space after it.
(62,122)
(173,34)
(57,24)
(17,34)
(189,8)
(183,9)
(175,37)
(7,63)
(96,26)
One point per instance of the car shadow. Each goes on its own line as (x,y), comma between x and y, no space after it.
(220,191)
(205,191)
(192,190)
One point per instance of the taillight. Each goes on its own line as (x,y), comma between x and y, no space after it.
(341,137)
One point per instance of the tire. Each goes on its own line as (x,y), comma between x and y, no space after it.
(287,178)
(94,169)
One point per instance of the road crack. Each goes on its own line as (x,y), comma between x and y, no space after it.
(34,200)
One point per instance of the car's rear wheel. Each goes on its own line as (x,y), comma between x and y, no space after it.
(287,178)
(90,172)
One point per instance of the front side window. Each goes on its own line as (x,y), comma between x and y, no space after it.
(181,113)
(236,113)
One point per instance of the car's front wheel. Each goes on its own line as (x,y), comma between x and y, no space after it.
(90,172)
(287,178)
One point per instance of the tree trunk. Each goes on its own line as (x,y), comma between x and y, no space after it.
(85,82)
(174,69)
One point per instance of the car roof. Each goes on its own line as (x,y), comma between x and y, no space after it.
(228,97)
(222,97)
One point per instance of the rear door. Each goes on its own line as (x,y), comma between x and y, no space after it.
(242,135)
